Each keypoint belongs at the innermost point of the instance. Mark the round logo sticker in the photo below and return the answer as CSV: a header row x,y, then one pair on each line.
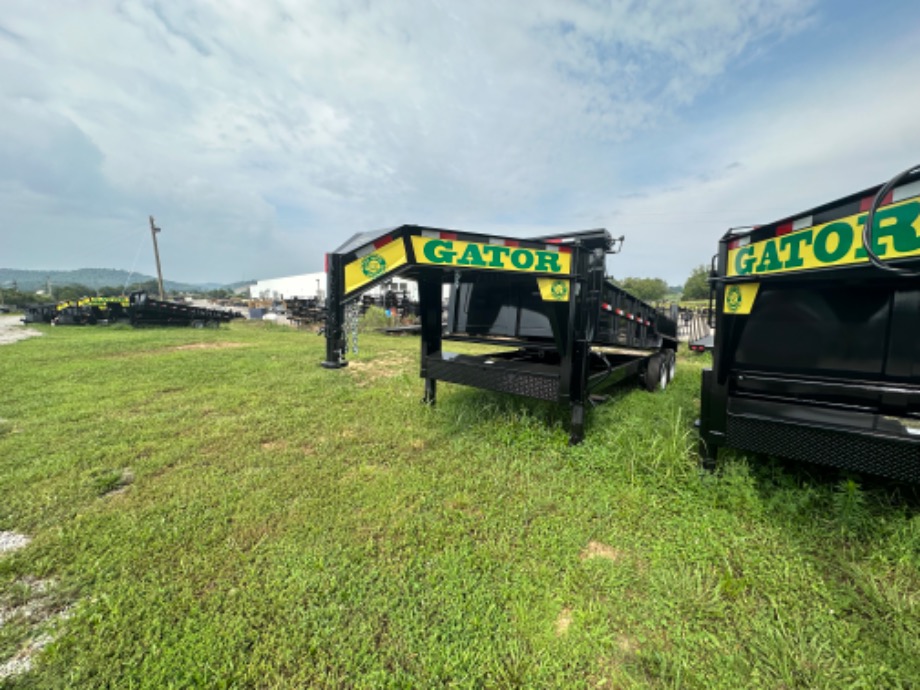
x,y
373,265
733,299
560,290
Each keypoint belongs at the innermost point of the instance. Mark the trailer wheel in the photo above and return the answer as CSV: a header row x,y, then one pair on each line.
x,y
197,323
656,373
672,365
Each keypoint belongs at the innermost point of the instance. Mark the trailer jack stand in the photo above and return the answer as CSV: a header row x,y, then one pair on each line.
x,y
709,456
577,433
431,392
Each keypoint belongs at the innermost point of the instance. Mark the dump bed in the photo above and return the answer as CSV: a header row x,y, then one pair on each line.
x,y
817,347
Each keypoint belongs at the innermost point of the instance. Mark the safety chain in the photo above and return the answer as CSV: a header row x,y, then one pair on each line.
x,y
352,312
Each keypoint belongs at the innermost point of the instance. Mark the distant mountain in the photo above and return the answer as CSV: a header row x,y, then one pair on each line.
x,y
30,281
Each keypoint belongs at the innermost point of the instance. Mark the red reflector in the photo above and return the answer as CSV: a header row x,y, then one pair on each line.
x,y
784,229
382,241
554,241
605,306
565,250
733,244
867,202
512,243
325,263
448,235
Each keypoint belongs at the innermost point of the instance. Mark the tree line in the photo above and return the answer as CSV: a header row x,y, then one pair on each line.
x,y
11,295
656,289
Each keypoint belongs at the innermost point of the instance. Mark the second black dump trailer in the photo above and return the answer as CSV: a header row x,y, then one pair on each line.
x,y
90,311
144,310
817,336
566,332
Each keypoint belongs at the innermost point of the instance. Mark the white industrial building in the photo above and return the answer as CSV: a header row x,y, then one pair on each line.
x,y
310,285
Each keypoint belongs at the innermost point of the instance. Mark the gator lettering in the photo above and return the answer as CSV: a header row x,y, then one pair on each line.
x,y
770,261
495,254
471,257
744,260
522,260
839,242
473,254
438,252
548,261
898,223
833,242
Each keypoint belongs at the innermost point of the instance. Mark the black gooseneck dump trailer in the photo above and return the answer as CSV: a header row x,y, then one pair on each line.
x,y
817,336
568,333
147,311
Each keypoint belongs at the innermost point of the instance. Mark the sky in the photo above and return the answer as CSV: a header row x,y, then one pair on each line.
x,y
262,134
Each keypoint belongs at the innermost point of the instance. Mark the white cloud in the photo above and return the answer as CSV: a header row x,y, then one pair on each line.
x,y
282,127
809,140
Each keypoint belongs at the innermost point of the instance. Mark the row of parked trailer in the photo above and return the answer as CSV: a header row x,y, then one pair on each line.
x,y
137,309
816,348
311,310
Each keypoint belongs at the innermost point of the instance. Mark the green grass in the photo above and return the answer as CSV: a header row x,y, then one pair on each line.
x,y
216,510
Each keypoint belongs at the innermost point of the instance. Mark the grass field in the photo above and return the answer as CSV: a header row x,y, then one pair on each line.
x,y
212,509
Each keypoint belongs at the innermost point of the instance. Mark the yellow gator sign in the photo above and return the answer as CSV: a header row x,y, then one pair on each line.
x,y
896,235
93,302
440,252
382,260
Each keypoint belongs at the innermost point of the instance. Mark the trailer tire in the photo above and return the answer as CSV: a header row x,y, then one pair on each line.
x,y
672,365
197,323
656,373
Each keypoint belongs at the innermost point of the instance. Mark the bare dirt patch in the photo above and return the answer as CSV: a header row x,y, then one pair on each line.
x,y
563,621
209,346
218,345
596,549
35,606
627,645
12,330
22,661
364,473
387,366
126,480
13,541
31,600
274,445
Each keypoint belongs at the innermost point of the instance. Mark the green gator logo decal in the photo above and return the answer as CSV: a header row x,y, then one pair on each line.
x,y
739,298
560,289
733,299
373,265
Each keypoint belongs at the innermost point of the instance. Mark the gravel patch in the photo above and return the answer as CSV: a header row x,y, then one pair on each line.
x,y
39,608
12,330
12,541
22,661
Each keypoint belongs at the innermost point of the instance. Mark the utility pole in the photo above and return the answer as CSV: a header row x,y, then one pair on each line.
x,y
156,252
